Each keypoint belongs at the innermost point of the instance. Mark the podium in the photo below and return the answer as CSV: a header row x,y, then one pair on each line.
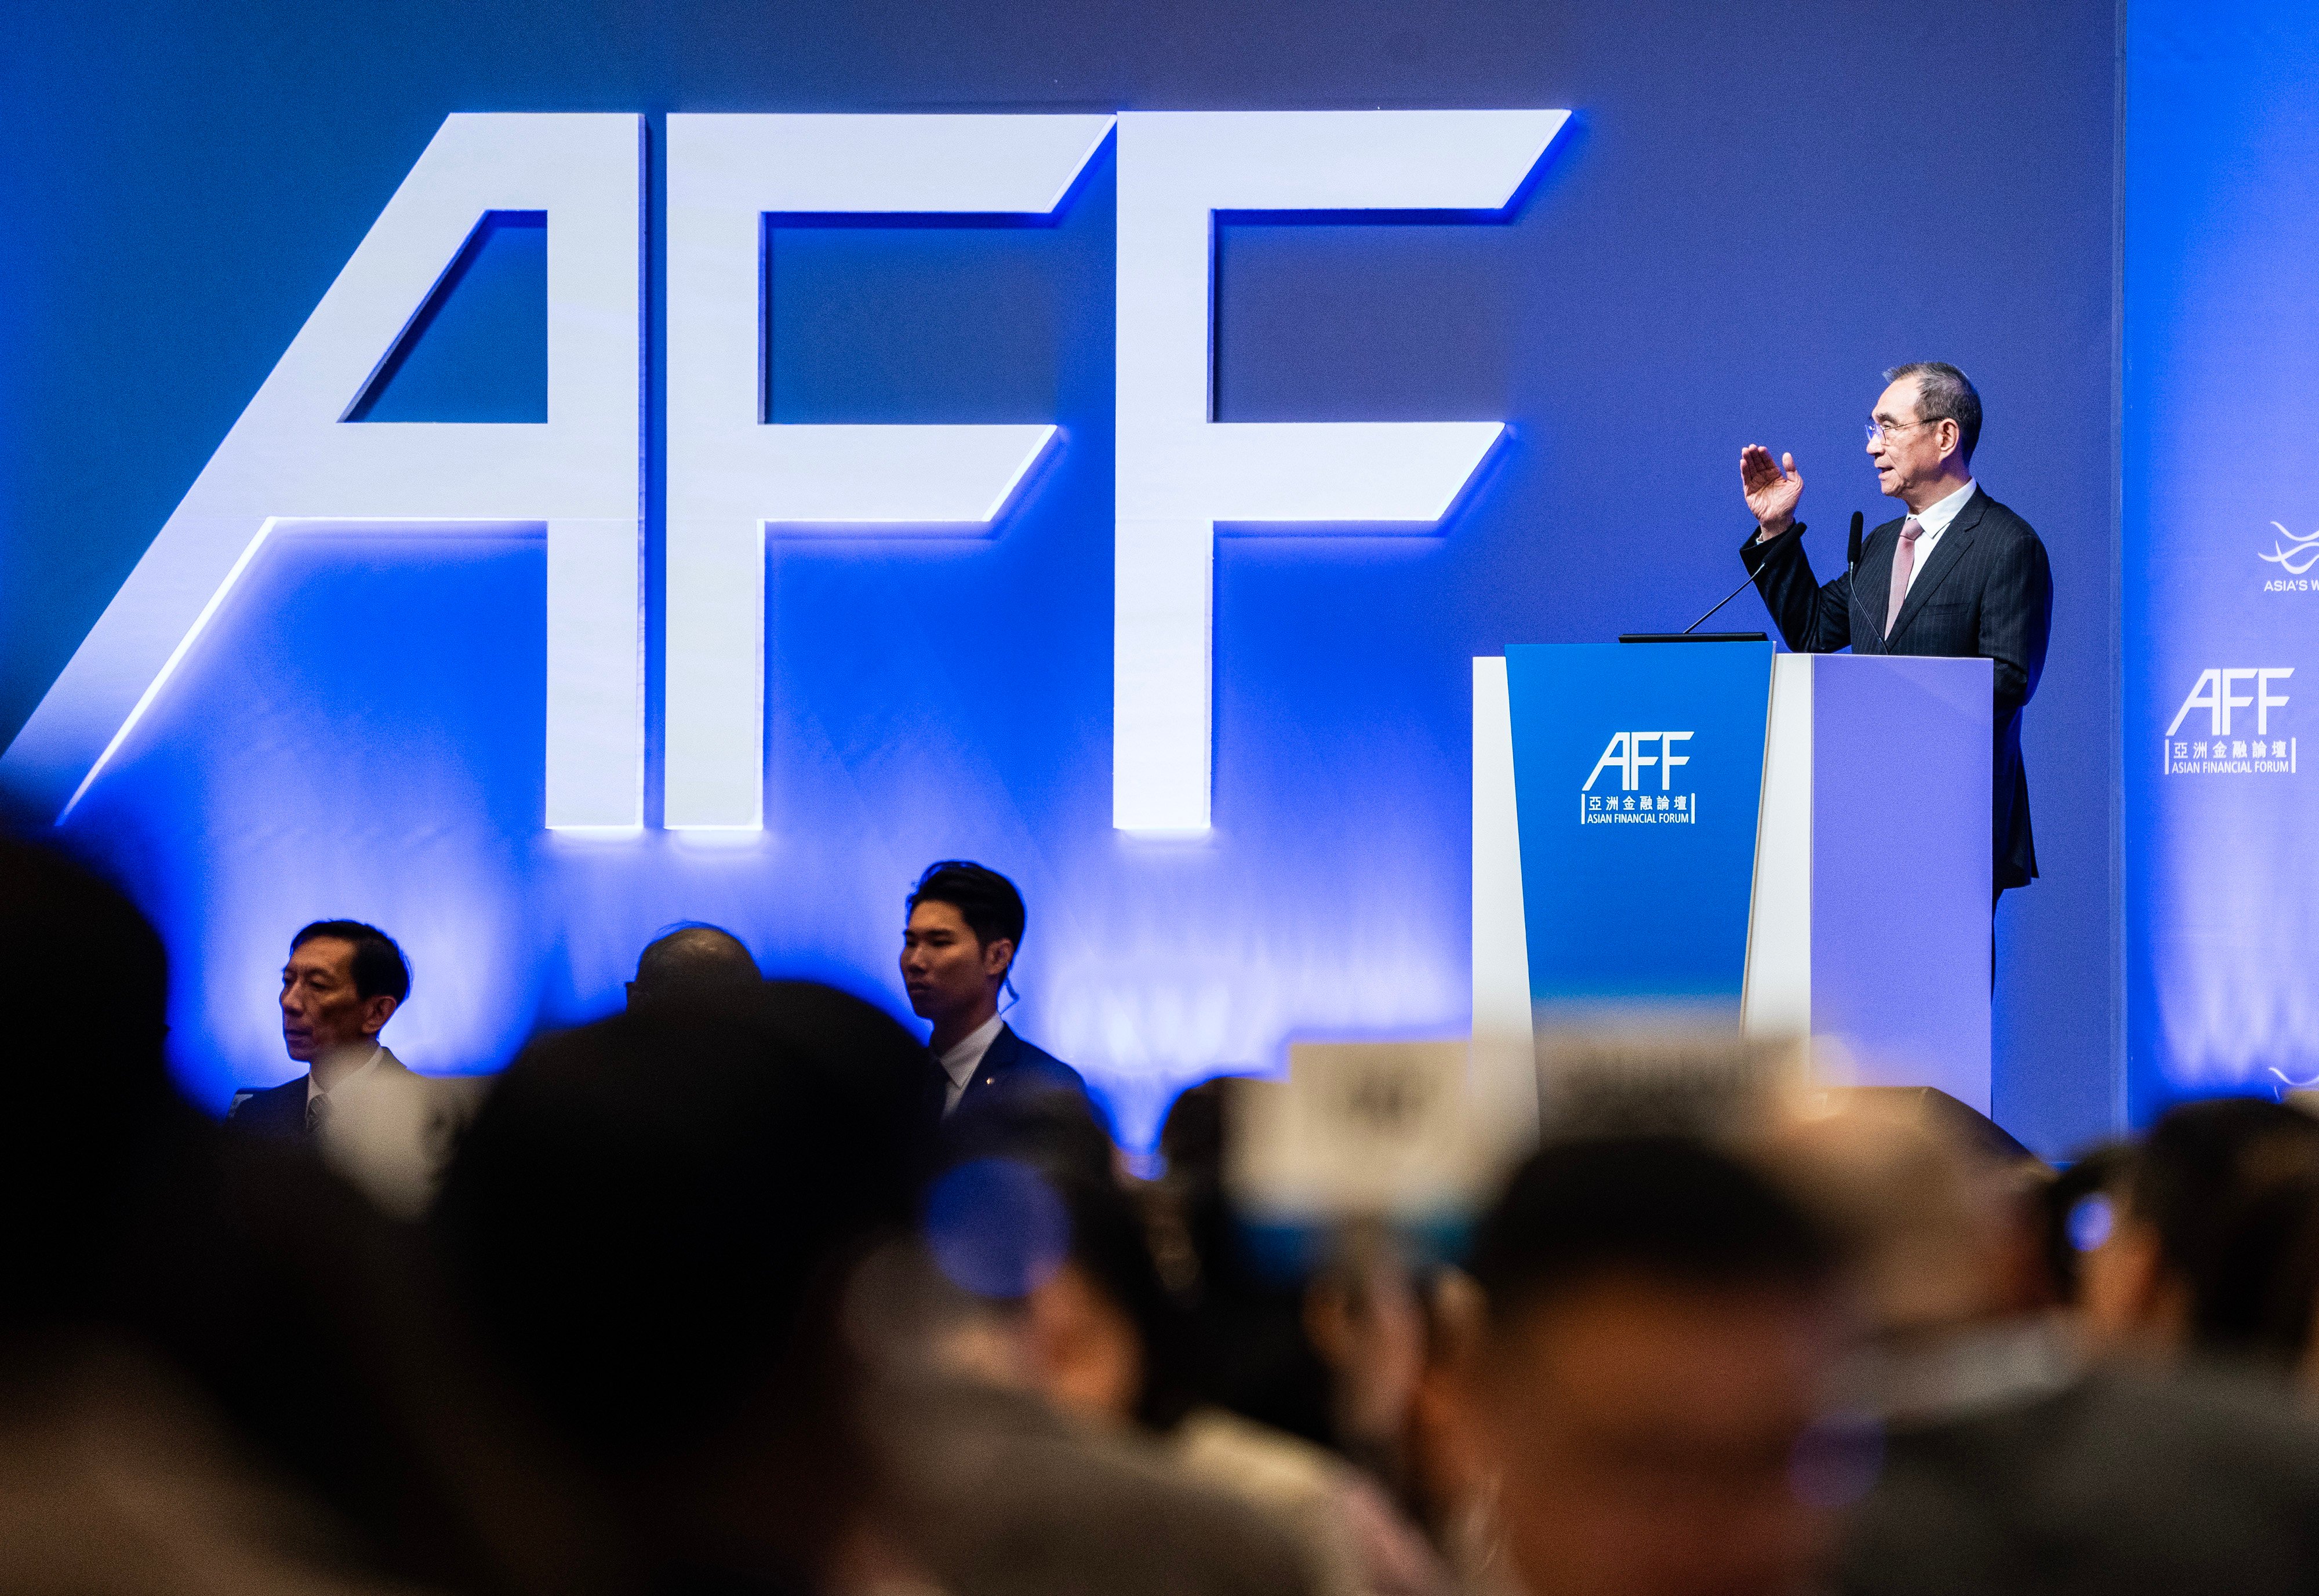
x,y
1789,845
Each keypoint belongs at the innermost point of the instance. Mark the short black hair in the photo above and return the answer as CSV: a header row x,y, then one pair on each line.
x,y
1944,393
986,901
1665,1207
380,967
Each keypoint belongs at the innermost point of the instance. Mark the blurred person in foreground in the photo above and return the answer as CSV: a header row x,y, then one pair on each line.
x,y
1331,1353
1640,1371
654,1217
963,929
2009,1462
1086,1321
661,1218
384,1128
1252,1348
1027,1366
2077,1209
218,1368
2200,1240
687,960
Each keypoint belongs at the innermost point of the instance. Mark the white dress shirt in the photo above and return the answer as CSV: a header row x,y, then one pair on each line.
x,y
1934,519
964,1058
369,1067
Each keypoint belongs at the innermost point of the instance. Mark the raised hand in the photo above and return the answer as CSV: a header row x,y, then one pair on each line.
x,y
1772,490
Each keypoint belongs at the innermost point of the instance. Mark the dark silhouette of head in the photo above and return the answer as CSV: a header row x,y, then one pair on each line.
x,y
688,961
653,1216
85,983
2221,1187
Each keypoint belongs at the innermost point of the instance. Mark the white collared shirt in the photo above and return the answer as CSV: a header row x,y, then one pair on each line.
x,y
964,1058
369,1065
1934,519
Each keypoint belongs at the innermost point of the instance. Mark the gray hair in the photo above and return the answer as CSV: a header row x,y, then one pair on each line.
x,y
1944,393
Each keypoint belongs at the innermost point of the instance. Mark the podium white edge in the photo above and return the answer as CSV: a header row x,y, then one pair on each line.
x,y
1776,998
1503,1057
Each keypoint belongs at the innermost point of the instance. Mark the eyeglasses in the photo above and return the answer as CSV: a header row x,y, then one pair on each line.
x,y
1888,431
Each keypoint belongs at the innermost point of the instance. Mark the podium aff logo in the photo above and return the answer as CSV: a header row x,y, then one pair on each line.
x,y
294,458
1633,804
2229,746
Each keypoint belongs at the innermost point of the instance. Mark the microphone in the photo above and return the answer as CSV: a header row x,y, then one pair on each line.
x,y
1852,549
1794,532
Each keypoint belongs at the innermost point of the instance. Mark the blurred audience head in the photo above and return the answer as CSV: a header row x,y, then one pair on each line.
x,y
1045,1264
1937,1236
1192,1136
2210,1213
1653,1322
343,982
2080,1208
85,985
655,1215
688,961
1250,1320
964,925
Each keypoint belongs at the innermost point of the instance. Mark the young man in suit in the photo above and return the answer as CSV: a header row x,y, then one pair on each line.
x,y
958,946
1959,575
343,982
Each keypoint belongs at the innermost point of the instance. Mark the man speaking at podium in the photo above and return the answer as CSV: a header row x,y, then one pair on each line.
x,y
1960,575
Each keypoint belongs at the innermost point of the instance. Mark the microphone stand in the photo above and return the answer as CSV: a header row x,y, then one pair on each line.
x,y
1794,532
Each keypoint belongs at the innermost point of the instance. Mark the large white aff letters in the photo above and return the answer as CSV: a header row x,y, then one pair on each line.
x,y
732,472
1180,470
293,458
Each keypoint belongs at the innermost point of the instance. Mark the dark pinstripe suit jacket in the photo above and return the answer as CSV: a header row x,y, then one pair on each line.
x,y
1987,590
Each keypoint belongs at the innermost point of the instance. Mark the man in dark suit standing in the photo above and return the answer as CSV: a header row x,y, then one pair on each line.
x,y
343,982
1959,575
957,947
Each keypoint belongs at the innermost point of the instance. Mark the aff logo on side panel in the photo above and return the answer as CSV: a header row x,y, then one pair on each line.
x,y
2229,745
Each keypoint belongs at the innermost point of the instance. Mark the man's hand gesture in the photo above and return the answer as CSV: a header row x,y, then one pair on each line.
x,y
1772,490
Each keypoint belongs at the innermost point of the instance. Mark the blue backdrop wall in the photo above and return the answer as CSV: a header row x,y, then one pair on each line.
x,y
2221,485
1747,221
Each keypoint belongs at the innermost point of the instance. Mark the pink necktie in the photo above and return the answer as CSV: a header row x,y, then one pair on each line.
x,y
1904,560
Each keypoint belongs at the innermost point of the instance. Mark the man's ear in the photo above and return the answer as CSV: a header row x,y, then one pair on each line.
x,y
376,1012
999,955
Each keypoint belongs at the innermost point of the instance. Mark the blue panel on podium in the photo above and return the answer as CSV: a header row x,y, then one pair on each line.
x,y
1639,775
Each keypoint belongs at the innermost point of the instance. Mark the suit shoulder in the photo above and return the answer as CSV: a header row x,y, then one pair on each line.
x,y
2005,521
270,1107
1031,1059
268,1097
